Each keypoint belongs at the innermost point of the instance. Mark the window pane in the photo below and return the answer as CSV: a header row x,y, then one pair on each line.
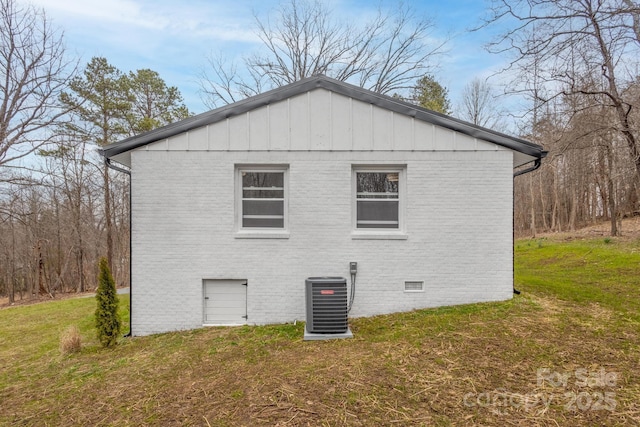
x,y
263,179
377,214
262,207
376,225
377,184
263,194
263,222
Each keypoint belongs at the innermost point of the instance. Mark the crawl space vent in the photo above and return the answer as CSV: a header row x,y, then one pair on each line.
x,y
413,286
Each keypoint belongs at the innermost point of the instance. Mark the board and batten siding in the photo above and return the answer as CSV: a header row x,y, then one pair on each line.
x,y
458,214
321,120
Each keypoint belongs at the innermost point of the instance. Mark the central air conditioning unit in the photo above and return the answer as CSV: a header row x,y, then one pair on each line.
x,y
326,306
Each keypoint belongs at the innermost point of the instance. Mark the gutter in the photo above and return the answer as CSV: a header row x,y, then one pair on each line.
x,y
536,164
107,162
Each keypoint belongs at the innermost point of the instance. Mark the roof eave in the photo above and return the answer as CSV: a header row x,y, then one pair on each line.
x,y
311,83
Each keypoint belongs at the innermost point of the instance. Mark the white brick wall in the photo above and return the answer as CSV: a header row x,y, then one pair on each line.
x,y
458,222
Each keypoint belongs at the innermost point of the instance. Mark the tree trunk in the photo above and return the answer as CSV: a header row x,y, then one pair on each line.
x,y
81,285
613,211
58,244
613,208
545,225
42,290
574,208
532,207
107,219
12,279
79,241
554,207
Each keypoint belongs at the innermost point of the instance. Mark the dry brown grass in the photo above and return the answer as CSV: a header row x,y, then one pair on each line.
x,y
467,365
630,230
70,341
470,365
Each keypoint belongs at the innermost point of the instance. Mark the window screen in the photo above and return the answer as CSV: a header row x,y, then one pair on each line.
x,y
377,200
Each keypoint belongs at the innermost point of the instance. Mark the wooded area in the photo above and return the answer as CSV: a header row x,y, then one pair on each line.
x,y
575,62
61,208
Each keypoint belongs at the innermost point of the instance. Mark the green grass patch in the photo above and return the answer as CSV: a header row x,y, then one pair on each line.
x,y
588,271
466,365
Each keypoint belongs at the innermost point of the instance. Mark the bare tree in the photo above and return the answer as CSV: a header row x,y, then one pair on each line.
x,y
572,41
387,54
33,72
58,217
70,172
478,104
587,176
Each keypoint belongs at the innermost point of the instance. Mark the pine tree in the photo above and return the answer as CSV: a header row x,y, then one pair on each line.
x,y
100,101
107,321
428,93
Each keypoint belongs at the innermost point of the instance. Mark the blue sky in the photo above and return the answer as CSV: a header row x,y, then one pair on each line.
x,y
174,37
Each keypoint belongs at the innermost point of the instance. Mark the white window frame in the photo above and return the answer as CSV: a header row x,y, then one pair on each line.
x,y
380,233
261,232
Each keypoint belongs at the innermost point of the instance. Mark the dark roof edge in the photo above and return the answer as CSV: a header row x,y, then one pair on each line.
x,y
311,83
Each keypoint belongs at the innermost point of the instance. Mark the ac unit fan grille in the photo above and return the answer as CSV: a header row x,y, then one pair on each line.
x,y
327,305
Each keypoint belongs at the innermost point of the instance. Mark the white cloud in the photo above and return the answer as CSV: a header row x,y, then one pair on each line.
x,y
174,37
195,19
113,11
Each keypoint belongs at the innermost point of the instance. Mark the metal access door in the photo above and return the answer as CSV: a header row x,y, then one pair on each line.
x,y
225,302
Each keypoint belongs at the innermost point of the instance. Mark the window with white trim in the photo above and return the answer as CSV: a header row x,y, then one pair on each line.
x,y
262,198
378,194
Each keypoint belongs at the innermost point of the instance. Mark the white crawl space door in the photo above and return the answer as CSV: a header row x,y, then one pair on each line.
x,y
225,302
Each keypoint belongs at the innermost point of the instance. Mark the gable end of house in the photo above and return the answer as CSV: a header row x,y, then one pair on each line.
x,y
530,151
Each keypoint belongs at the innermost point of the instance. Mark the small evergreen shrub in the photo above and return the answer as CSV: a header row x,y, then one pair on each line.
x,y
70,341
107,321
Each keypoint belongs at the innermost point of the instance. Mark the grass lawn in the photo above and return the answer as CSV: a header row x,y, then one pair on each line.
x,y
564,352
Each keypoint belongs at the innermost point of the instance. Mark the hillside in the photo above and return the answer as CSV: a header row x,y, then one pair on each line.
x,y
564,352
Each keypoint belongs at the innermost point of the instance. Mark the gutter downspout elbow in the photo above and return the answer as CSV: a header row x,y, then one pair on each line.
x,y
107,162
536,165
